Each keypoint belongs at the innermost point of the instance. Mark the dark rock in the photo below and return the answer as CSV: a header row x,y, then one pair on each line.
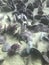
x,y
20,5
1,60
43,1
11,28
11,52
31,27
46,39
25,1
39,27
30,6
36,3
7,9
1,3
44,20
24,53
15,46
29,14
29,11
36,54
40,11
38,17
48,54
47,4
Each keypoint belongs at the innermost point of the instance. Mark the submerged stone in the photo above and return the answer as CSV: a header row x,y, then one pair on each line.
x,y
38,17
36,3
15,46
47,3
24,52
30,6
25,1
13,50
1,59
44,20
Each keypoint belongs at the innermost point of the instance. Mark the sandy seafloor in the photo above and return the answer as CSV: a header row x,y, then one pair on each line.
x,y
17,60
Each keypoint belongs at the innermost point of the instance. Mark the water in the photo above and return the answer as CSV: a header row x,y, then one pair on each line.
x,y
17,60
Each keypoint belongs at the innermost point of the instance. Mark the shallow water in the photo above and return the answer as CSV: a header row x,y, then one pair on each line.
x,y
17,60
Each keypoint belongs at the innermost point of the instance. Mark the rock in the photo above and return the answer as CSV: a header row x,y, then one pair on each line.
x,y
15,46
45,39
1,59
40,11
47,3
11,28
13,50
24,53
36,3
46,58
35,53
30,6
25,1
29,14
43,1
48,54
44,20
38,17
